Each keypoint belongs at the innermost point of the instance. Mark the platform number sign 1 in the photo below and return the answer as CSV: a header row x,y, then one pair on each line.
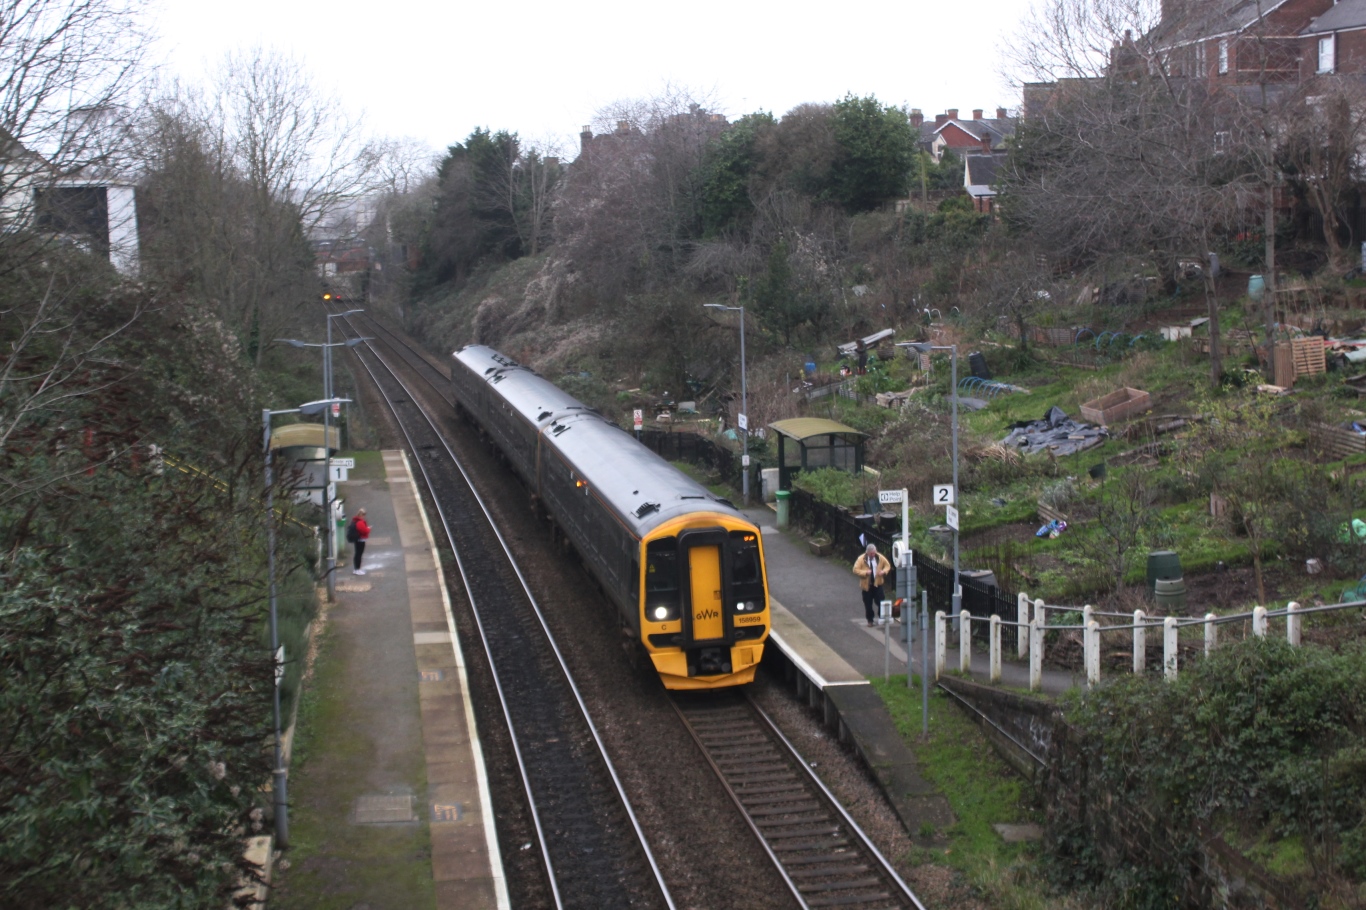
x,y
943,494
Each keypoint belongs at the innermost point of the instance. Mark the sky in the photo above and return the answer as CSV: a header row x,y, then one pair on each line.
x,y
436,71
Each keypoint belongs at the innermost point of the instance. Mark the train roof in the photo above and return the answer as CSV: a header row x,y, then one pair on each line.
x,y
645,490
529,392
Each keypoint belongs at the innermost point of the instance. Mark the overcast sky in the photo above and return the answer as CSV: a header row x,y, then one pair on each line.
x,y
436,71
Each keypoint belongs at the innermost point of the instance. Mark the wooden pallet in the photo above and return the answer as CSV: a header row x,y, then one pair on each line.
x,y
1309,356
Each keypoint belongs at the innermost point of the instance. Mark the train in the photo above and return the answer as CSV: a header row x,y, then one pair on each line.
x,y
683,567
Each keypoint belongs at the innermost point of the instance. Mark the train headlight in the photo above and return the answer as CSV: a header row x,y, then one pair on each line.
x,y
661,614
751,606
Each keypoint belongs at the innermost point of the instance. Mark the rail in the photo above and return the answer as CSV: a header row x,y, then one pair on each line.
x,y
821,853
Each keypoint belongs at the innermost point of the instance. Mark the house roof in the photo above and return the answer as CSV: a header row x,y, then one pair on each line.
x,y
1213,19
1346,14
979,173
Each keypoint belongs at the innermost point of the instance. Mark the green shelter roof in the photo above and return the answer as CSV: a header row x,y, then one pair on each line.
x,y
303,434
800,428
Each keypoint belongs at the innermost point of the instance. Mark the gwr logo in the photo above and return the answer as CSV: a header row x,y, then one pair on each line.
x,y
706,614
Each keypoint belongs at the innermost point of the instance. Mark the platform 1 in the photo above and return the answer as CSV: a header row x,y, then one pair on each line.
x,y
394,762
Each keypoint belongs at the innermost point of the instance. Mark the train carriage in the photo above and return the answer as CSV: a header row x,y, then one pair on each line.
x,y
683,567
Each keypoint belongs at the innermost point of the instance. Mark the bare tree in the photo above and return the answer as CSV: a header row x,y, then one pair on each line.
x,y
1322,155
64,64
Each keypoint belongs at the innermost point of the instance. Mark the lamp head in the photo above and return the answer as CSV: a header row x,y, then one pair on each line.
x,y
317,407
293,342
352,342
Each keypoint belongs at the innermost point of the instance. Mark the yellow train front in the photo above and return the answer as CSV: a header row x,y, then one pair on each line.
x,y
683,567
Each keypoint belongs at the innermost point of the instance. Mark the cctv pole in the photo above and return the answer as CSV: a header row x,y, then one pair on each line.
x,y
957,589
278,775
744,407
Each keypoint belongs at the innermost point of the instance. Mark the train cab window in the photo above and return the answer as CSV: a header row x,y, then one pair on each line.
x,y
662,601
744,559
746,572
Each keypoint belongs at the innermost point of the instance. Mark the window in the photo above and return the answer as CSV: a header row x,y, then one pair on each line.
x,y
1200,59
1326,49
1223,55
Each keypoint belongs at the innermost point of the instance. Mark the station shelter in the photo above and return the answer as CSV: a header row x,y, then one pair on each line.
x,y
809,443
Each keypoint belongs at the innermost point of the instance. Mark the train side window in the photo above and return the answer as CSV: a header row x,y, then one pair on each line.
x,y
744,558
663,600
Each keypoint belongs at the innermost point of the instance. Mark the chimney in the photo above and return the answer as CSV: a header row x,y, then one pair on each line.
x,y
585,140
1001,113
977,113
986,145
623,126
940,119
952,113
917,117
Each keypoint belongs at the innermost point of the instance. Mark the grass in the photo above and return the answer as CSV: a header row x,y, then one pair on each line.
x,y
982,790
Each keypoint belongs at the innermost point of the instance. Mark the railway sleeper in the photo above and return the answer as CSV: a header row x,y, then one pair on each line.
x,y
754,783
813,858
850,885
791,795
807,831
829,869
792,807
844,901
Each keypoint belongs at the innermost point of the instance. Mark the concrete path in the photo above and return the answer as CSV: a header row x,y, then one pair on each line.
x,y
823,593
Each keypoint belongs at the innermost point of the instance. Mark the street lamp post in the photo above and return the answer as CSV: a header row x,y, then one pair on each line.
x,y
329,536
744,401
921,347
278,775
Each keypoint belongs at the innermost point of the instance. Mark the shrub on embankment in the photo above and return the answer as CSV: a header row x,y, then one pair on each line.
x,y
1245,776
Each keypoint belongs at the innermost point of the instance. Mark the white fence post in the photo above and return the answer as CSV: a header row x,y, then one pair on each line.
x,y
1259,622
1036,655
1293,622
1091,648
964,642
1169,643
1088,613
941,644
1211,633
1140,642
1039,612
1022,617
995,650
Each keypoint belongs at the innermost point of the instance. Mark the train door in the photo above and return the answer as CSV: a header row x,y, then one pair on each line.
x,y
704,581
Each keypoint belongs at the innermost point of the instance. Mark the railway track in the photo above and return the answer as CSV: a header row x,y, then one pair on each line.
x,y
823,856
592,848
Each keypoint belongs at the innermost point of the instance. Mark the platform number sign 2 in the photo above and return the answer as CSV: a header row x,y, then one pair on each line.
x,y
943,494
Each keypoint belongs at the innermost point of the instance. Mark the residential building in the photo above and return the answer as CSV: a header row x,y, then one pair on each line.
x,y
978,135
1335,42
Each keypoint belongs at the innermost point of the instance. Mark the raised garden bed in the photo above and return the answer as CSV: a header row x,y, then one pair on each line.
x,y
1116,406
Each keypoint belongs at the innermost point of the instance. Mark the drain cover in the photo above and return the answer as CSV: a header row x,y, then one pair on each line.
x,y
384,810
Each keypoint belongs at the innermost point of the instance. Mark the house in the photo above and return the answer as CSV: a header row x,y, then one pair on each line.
x,y
1240,46
980,178
1335,42
981,134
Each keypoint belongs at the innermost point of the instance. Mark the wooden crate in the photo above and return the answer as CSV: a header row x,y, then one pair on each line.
x,y
1116,406
1283,367
1339,442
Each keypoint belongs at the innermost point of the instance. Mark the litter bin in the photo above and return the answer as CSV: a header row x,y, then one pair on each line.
x,y
1170,594
783,497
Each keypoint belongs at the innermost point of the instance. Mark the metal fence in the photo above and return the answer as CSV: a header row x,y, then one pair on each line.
x,y
700,451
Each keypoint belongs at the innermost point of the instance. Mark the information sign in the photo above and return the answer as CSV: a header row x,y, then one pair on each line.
x,y
744,421
890,497
638,417
952,517
344,462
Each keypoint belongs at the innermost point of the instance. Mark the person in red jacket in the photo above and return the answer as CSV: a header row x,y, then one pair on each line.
x,y
356,535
